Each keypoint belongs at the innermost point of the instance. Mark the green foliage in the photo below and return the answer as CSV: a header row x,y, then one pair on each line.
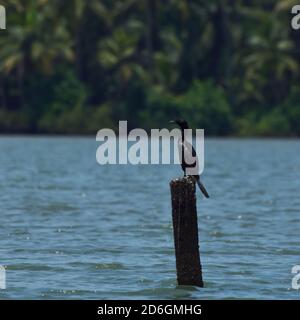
x,y
207,107
14,122
230,67
291,109
65,112
274,123
100,117
161,107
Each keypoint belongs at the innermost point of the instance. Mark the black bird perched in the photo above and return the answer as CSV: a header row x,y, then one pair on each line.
x,y
188,152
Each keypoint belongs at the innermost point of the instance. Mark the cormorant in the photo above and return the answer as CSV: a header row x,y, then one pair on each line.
x,y
188,151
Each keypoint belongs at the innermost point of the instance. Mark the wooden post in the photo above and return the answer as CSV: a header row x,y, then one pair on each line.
x,y
185,228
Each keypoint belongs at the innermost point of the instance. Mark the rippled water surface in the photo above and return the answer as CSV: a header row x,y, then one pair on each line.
x,y
72,229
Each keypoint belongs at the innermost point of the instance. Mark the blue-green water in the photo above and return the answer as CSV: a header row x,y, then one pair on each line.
x,y
72,229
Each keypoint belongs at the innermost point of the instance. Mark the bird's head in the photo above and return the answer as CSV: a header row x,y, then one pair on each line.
x,y
181,123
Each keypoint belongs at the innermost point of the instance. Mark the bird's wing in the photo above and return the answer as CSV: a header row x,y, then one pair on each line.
x,y
189,153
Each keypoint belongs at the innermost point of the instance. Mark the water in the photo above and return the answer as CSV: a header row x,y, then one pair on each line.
x,y
71,229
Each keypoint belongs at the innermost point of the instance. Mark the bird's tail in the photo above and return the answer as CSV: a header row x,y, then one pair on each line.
x,y
202,188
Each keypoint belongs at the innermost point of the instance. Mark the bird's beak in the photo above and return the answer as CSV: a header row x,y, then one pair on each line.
x,y
172,121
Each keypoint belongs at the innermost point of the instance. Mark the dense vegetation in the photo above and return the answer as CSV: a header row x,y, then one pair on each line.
x,y
229,66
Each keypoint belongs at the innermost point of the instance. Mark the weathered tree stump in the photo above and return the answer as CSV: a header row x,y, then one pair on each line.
x,y
185,228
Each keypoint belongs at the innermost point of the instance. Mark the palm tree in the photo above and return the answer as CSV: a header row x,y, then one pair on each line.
x,y
35,44
268,61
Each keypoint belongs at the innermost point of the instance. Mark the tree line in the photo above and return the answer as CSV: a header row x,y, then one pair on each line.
x,y
228,66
